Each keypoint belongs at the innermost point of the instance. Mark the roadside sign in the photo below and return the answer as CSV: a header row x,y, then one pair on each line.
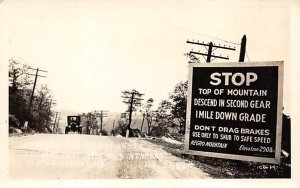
x,y
234,111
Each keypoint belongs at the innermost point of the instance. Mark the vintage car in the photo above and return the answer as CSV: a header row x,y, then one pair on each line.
x,y
74,125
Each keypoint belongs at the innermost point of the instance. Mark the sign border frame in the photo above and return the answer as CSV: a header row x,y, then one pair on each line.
x,y
276,159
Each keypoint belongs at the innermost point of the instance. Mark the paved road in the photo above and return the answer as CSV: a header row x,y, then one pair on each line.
x,y
46,156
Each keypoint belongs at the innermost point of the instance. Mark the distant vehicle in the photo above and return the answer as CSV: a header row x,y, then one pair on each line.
x,y
73,125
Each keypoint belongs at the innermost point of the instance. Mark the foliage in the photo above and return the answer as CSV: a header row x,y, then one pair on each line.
x,y
127,95
40,115
20,91
14,122
149,115
89,122
121,128
178,104
163,119
158,120
18,104
159,131
170,114
192,58
132,99
104,132
17,75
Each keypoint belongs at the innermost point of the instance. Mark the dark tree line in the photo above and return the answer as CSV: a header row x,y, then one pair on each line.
x,y
20,90
170,115
91,124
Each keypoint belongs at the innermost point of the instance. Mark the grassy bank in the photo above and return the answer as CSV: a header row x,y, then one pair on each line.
x,y
225,168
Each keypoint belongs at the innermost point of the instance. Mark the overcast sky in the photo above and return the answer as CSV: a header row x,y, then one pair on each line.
x,y
93,50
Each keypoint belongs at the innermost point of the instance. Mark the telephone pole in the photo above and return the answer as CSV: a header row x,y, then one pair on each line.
x,y
34,85
113,129
101,115
243,49
57,124
211,48
143,122
88,123
132,98
56,114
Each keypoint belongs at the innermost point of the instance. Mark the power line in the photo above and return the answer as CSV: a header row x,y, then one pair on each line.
x,y
216,38
190,31
247,56
211,47
201,34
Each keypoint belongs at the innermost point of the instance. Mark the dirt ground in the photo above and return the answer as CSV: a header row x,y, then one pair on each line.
x,y
73,156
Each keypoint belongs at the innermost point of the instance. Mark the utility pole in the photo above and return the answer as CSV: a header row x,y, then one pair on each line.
x,y
142,122
130,112
211,48
102,114
113,129
243,49
57,124
132,98
34,85
89,123
56,114
91,118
